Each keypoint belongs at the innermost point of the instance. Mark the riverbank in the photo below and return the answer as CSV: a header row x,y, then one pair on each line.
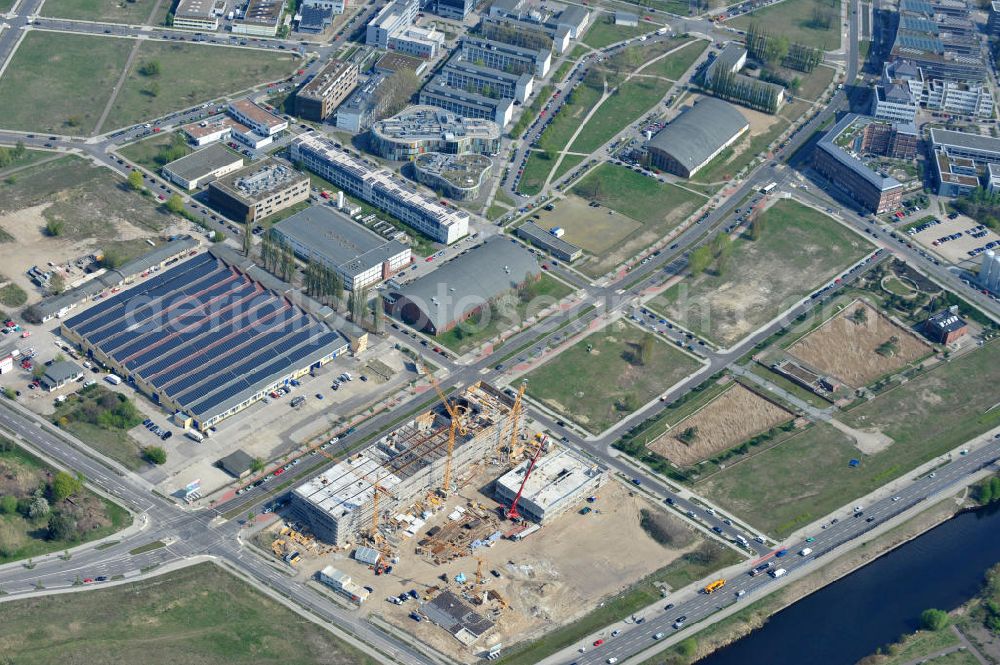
x,y
701,644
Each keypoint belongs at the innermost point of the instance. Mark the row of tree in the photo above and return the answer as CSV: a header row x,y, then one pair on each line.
x,y
744,90
777,49
717,252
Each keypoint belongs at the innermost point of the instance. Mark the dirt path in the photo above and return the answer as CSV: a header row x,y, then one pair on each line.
x,y
869,443
117,89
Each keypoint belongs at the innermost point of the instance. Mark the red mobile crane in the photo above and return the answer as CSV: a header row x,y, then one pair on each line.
x,y
512,513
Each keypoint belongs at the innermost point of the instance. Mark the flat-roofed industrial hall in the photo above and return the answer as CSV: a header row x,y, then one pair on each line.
x,y
204,338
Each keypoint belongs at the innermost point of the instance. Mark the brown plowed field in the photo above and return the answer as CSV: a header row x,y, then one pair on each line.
x,y
845,349
728,420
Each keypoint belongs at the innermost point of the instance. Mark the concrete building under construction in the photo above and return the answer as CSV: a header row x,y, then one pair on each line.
x,y
340,504
559,481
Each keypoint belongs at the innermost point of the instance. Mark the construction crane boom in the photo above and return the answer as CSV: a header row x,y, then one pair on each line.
x,y
512,513
512,422
456,425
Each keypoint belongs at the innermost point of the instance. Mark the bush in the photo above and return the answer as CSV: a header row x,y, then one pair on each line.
x,y
154,455
13,295
8,504
64,485
932,619
54,228
62,527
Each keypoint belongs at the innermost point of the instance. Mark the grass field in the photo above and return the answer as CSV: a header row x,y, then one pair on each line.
x,y
110,11
808,476
28,158
79,72
151,153
632,99
577,106
794,19
599,380
568,163
605,32
536,170
799,248
640,197
191,74
91,201
593,229
22,537
198,615
674,66
544,293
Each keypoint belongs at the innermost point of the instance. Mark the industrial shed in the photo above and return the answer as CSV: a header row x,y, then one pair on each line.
x,y
437,302
204,338
696,136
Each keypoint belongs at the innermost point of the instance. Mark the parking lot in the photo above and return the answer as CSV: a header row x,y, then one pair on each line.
x,y
955,240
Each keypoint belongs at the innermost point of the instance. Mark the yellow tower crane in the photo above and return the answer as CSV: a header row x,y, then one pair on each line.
x,y
456,426
512,424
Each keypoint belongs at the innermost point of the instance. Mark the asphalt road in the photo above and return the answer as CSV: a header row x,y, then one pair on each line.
x,y
850,525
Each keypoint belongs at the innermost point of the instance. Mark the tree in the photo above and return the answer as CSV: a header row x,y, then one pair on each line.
x,y
175,204
9,392
62,527
688,435
257,464
932,619
644,350
984,493
135,181
169,21
38,508
700,259
57,284
65,485
378,316
113,258
154,455
54,228
247,240
218,236
859,316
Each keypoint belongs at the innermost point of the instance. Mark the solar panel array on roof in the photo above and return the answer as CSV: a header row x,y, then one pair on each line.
x,y
204,336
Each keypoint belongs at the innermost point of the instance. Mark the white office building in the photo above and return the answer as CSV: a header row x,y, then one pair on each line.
x,y
381,188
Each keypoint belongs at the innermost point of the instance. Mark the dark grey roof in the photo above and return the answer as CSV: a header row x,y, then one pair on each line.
x,y
946,321
202,162
827,145
338,240
573,15
454,614
698,133
59,371
470,280
947,137
236,463
532,232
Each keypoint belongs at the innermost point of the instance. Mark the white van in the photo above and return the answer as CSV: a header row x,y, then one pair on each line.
x,y
806,552
778,573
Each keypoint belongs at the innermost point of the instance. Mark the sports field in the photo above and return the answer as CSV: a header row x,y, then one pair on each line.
x,y
190,74
799,249
60,82
606,376
814,23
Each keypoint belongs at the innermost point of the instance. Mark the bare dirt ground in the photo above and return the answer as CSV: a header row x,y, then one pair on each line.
x,y
726,421
760,123
846,349
548,579
593,229
954,251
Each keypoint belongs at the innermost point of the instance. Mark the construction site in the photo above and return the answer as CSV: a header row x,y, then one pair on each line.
x,y
467,529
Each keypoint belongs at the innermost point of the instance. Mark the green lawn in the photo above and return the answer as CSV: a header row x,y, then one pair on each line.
x,y
571,114
27,158
674,66
196,615
632,99
191,74
159,149
599,380
695,565
640,197
5,5
60,82
568,163
794,20
799,249
563,70
544,293
536,170
605,32
110,11
21,536
921,644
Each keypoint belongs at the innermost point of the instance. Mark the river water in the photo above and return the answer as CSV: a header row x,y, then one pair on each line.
x,y
851,618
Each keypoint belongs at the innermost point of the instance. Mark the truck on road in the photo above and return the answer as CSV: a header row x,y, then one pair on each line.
x,y
715,586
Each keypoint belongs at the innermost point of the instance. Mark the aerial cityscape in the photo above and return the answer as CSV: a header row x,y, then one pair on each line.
x,y
531,332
